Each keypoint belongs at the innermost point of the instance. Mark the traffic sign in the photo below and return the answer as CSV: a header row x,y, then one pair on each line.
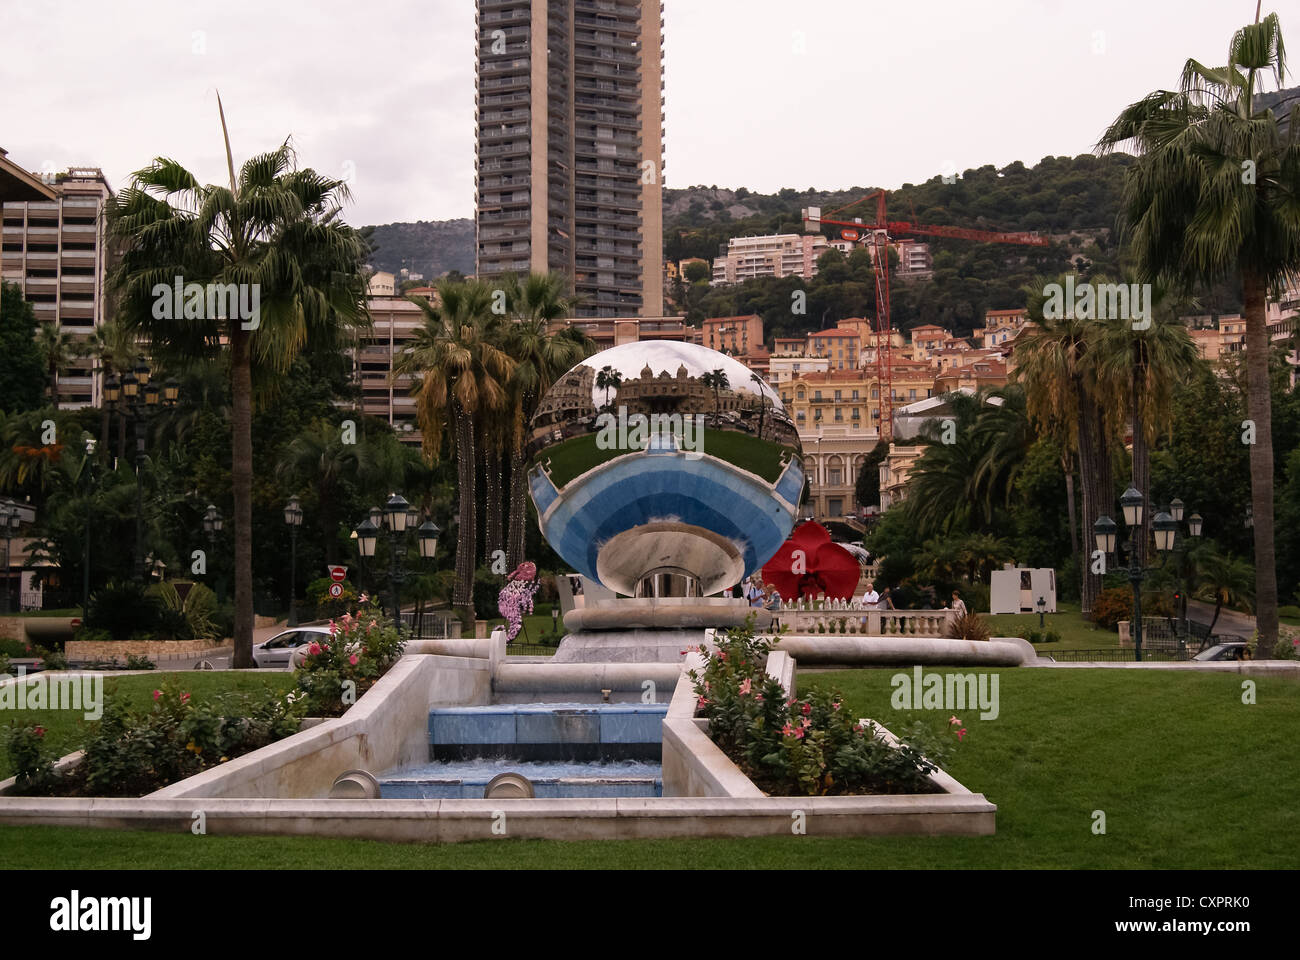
x,y
338,573
336,590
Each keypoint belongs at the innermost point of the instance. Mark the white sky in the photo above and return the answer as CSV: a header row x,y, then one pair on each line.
x,y
382,92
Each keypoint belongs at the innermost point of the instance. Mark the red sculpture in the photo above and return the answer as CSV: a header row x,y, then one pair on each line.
x,y
809,564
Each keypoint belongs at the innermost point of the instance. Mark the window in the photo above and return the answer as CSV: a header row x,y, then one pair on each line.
x,y
855,414
837,394
911,394
839,414
855,394
836,477
817,394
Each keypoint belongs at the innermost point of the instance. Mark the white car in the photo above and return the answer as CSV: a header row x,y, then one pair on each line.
x,y
277,651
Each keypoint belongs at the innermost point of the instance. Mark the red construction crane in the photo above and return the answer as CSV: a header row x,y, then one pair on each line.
x,y
878,234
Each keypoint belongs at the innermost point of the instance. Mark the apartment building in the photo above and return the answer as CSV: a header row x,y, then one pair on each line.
x,y
395,321
614,331
778,255
840,345
733,335
1000,326
569,112
54,250
784,368
832,412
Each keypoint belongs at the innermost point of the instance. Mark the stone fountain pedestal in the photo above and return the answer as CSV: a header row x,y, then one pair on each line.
x,y
648,630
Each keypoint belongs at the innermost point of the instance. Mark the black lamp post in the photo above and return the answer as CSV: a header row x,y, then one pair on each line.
x,y
293,517
141,399
1166,528
11,519
1041,604
85,574
397,517
212,524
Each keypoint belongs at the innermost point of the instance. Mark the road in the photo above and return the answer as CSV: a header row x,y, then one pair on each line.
x,y
1230,621
221,662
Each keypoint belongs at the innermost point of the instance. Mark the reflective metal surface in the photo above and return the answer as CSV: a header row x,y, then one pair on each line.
x,y
662,457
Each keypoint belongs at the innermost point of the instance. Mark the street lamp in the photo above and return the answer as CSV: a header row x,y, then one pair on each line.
x,y
1165,526
11,519
140,399
293,517
85,575
1041,604
397,517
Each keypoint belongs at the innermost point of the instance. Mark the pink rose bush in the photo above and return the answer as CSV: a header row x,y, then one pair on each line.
x,y
809,745
336,672
515,601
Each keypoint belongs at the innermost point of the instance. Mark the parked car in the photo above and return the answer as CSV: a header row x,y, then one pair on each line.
x,y
1230,650
277,651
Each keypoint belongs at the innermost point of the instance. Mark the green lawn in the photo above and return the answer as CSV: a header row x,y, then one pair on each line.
x,y
65,730
1187,776
1076,632
573,457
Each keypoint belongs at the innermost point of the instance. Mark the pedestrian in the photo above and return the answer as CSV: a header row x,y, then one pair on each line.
x,y
958,605
773,601
754,593
886,601
871,599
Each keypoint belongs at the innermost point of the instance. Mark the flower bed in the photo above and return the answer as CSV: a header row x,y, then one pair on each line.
x,y
791,746
130,753
336,672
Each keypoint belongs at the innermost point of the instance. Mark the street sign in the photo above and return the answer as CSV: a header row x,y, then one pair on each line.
x,y
338,573
336,590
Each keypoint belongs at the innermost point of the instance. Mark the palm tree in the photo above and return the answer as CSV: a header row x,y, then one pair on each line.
x,y
1055,363
541,358
607,378
1230,579
982,553
460,377
1212,195
757,381
57,349
114,348
1140,366
717,380
319,459
275,230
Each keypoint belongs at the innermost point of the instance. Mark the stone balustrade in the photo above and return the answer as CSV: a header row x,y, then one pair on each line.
x,y
846,618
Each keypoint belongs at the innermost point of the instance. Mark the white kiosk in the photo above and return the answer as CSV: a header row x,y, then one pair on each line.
x,y
1018,589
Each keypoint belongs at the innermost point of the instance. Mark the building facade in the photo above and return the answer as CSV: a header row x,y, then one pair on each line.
x,y
778,255
570,147
55,251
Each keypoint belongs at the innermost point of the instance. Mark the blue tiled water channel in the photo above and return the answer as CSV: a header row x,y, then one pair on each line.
x,y
565,749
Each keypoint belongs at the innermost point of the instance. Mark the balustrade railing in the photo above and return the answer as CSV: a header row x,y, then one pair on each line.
x,y
847,618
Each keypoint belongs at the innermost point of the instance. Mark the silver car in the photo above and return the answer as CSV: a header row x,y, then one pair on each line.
x,y
277,651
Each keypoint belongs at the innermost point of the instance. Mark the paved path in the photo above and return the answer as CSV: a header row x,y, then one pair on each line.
x,y
1230,621
221,661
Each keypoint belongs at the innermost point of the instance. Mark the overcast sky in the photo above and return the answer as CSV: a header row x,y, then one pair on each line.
x,y
760,93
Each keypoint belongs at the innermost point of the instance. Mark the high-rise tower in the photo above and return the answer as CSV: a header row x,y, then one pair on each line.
x,y
570,147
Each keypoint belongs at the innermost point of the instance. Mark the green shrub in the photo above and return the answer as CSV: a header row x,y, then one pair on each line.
x,y
30,759
130,753
809,746
1033,636
83,634
141,662
188,619
4,665
1052,637
122,607
325,606
1116,604
13,647
1289,611
52,659
223,620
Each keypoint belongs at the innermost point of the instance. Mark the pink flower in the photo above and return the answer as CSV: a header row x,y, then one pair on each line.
x,y
353,659
701,703
706,686
370,626
722,654
805,723
334,628
836,705
758,697
954,722
184,697
807,709
364,598
961,733
744,687
313,649
798,733
157,694
787,730
39,731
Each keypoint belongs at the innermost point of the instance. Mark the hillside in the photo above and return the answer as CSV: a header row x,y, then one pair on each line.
x,y
430,247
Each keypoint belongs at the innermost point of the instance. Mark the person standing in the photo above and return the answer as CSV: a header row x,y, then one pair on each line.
x,y
958,605
754,594
886,601
871,599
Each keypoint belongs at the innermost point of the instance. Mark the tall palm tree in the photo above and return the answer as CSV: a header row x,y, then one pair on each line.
x,y
114,348
275,229
607,379
318,459
1056,364
717,381
1213,195
1140,366
58,349
460,378
540,358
